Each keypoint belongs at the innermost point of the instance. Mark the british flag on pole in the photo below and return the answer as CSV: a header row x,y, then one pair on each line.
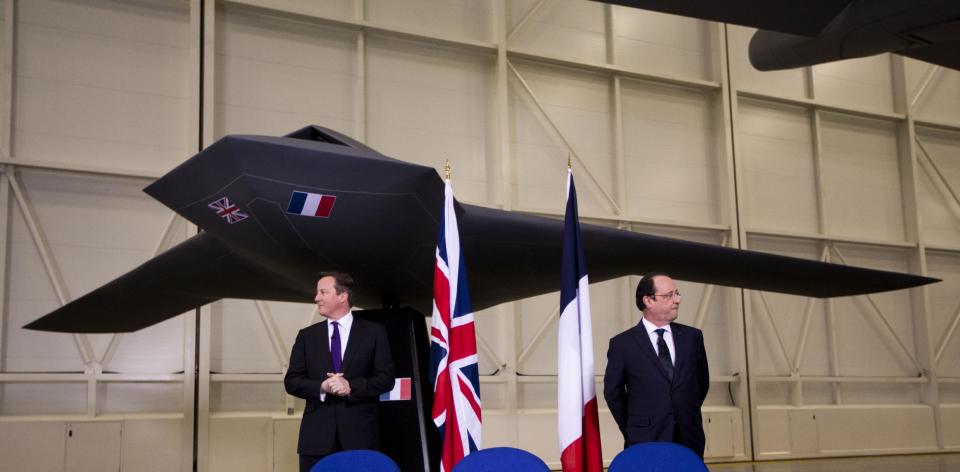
x,y
453,347
579,425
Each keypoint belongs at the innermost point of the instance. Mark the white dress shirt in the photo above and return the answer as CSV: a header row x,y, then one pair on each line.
x,y
667,337
345,324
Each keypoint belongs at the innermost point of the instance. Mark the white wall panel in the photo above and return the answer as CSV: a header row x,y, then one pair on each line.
x,y
672,153
861,83
944,305
28,445
862,195
790,83
579,104
137,397
278,74
938,102
784,319
462,19
951,428
658,43
776,154
247,396
151,445
489,324
565,29
848,430
609,305
97,228
939,210
93,446
124,63
340,9
46,398
238,443
285,433
426,104
240,343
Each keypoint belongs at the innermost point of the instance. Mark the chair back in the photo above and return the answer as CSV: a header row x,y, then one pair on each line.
x,y
656,457
358,459
501,459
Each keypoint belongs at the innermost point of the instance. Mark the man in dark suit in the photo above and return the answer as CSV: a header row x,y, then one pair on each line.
x,y
657,375
340,367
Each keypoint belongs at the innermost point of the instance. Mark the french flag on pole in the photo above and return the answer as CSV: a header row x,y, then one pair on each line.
x,y
579,425
311,204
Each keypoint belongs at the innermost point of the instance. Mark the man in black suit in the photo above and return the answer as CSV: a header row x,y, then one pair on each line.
x,y
657,375
340,367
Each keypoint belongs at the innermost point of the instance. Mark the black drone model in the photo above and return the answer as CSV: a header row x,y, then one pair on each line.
x,y
275,211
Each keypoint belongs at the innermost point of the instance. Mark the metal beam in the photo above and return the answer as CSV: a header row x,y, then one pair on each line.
x,y
940,181
523,21
276,341
559,133
798,354
7,77
553,316
883,318
776,332
931,74
49,264
707,300
947,335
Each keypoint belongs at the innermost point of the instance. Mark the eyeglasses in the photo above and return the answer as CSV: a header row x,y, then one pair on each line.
x,y
668,294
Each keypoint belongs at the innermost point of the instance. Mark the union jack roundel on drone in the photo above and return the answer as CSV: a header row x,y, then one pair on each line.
x,y
227,210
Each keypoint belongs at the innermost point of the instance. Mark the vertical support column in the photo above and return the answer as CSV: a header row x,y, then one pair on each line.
x,y
197,328
203,386
188,439
822,229
502,194
924,339
619,156
731,212
207,72
4,231
360,90
7,77
189,389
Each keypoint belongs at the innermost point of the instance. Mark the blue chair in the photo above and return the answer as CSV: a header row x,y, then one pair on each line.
x,y
500,459
358,459
656,457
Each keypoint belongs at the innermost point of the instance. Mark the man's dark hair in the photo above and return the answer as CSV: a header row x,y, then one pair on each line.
x,y
646,288
342,282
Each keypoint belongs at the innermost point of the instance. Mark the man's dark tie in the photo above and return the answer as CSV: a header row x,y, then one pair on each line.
x,y
335,348
664,353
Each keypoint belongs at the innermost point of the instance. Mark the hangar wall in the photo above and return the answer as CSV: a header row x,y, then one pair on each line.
x,y
670,131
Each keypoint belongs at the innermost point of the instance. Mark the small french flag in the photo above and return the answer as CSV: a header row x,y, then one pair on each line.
x,y
401,391
311,204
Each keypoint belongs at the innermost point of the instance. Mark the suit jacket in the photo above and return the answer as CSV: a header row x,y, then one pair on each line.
x,y
646,405
367,365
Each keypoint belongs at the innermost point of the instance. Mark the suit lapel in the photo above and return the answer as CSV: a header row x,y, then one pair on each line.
x,y
356,334
641,336
680,344
326,361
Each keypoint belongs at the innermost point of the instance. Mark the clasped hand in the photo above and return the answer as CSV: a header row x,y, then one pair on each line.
x,y
336,384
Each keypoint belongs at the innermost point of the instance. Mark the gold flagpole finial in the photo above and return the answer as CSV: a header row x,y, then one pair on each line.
x,y
446,169
569,162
